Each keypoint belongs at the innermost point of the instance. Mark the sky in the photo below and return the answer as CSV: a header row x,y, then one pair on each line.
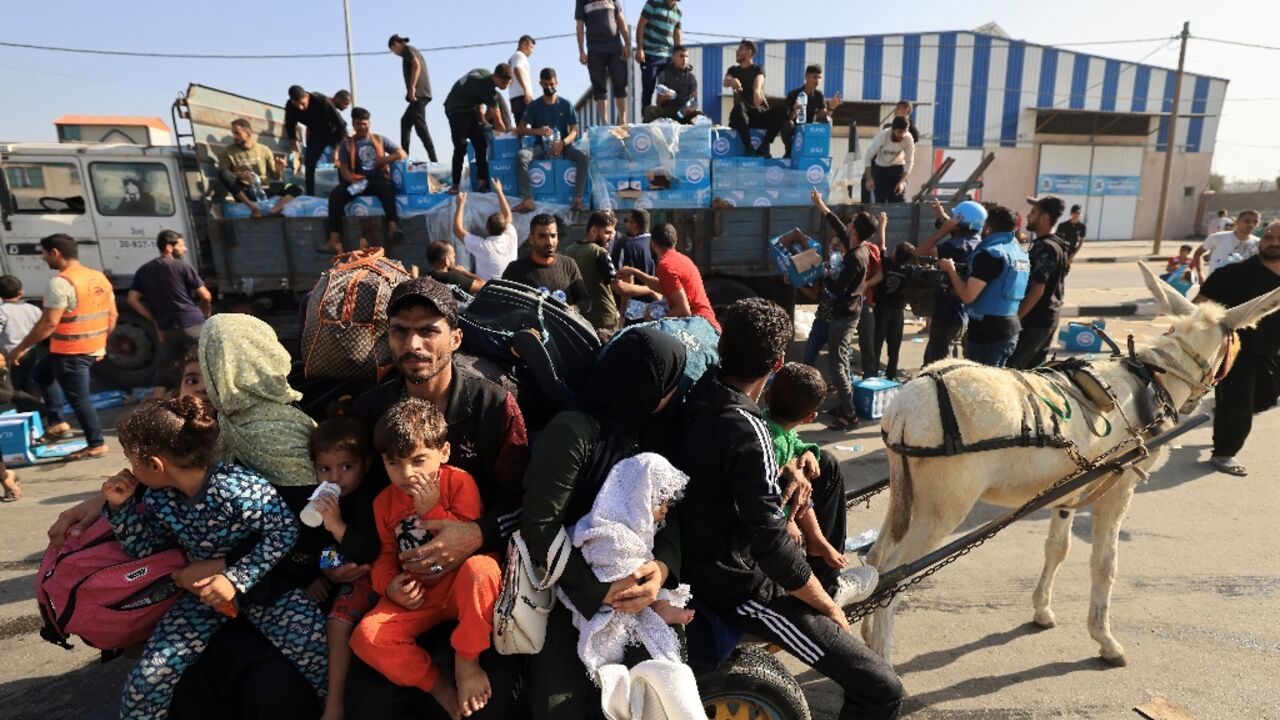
x,y
39,86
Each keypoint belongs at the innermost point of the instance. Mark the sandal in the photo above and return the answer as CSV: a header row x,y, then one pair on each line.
x,y
54,432
89,452
1228,465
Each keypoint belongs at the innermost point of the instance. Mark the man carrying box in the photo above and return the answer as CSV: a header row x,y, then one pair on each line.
x,y
544,120
465,107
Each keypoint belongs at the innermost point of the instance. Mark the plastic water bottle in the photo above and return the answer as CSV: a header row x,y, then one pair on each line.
x,y
258,192
309,515
802,108
358,186
662,90
635,309
835,264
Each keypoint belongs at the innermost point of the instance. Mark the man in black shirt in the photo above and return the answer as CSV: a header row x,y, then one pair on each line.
x,y
325,127
1050,260
817,108
750,109
442,260
544,270
681,102
1071,231
1254,381
464,106
417,93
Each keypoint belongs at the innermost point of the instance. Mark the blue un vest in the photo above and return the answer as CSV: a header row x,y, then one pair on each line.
x,y
1001,296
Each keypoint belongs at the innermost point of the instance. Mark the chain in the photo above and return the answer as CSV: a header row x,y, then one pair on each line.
x,y
863,497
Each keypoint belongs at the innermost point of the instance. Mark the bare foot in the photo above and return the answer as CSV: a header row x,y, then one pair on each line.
x,y
54,432
445,694
671,614
473,686
525,206
832,557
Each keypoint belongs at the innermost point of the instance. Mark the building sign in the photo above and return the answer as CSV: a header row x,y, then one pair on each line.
x,y
1095,186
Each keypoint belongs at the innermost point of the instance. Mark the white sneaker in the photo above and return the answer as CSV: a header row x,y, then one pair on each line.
x,y
855,585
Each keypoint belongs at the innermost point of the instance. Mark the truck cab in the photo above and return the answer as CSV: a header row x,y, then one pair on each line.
x,y
114,200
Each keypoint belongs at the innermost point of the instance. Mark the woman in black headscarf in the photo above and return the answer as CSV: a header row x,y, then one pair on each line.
x,y
617,415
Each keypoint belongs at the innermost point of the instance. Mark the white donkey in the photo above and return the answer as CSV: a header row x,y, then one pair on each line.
x,y
931,496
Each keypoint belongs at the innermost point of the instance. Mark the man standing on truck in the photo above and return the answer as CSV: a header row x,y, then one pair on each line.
x,y
417,93
325,127
890,157
465,108
521,91
604,46
750,109
364,166
79,314
247,166
169,293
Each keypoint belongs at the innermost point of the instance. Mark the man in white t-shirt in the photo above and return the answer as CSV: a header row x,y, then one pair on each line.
x,y
1229,246
494,252
521,90
1220,223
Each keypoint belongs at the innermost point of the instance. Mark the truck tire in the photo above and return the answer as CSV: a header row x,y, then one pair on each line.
x,y
722,292
132,352
751,685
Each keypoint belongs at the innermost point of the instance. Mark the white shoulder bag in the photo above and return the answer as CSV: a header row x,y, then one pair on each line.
x,y
527,596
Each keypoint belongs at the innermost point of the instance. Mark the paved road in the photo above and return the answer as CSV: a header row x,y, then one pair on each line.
x,y
1195,603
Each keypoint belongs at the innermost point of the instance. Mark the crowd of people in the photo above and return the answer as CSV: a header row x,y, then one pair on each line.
x,y
680,493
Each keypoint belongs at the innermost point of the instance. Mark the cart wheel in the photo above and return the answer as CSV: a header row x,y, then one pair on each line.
x,y
752,685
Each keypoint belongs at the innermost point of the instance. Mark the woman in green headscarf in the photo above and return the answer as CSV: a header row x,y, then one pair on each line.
x,y
246,373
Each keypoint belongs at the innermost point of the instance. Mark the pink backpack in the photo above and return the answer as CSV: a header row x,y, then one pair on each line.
x,y
92,588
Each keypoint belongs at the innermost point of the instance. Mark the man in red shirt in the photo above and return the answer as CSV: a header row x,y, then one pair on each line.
x,y
677,278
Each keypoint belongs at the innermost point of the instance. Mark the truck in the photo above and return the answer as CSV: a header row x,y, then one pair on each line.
x,y
115,199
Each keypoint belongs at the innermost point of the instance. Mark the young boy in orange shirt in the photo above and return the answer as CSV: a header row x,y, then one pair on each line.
x,y
411,438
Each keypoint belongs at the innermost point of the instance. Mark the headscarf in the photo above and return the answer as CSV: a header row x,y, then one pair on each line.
x,y
246,373
627,384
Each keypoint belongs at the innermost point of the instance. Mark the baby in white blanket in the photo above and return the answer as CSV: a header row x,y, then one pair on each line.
x,y
616,538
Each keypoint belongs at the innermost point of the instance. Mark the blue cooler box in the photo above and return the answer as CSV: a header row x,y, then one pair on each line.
x,y
798,256
727,143
872,396
542,179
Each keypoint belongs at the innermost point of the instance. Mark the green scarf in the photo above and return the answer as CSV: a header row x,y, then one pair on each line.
x,y
246,374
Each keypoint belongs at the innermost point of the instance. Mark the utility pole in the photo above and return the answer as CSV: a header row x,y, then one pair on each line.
x,y
1170,140
351,60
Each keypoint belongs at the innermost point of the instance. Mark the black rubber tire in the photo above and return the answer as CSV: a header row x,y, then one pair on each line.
x,y
752,684
132,352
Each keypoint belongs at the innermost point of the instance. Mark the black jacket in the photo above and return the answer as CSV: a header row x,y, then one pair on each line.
x,y
486,438
325,125
683,82
734,539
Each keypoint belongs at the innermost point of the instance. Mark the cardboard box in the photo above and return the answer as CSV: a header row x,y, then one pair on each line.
x,y
415,204
566,176
364,206
812,172
872,396
811,140
1079,337
504,170
798,256
18,432
727,143
542,178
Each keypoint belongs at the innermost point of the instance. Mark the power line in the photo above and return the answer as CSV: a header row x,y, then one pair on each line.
x,y
469,46
1235,42
226,56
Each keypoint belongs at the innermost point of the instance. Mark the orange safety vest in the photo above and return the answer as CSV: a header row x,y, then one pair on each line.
x,y
376,139
84,330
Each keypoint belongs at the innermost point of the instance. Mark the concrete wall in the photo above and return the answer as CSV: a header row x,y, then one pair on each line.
x,y
1190,170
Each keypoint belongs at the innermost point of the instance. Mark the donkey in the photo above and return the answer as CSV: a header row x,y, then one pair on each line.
x,y
930,496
